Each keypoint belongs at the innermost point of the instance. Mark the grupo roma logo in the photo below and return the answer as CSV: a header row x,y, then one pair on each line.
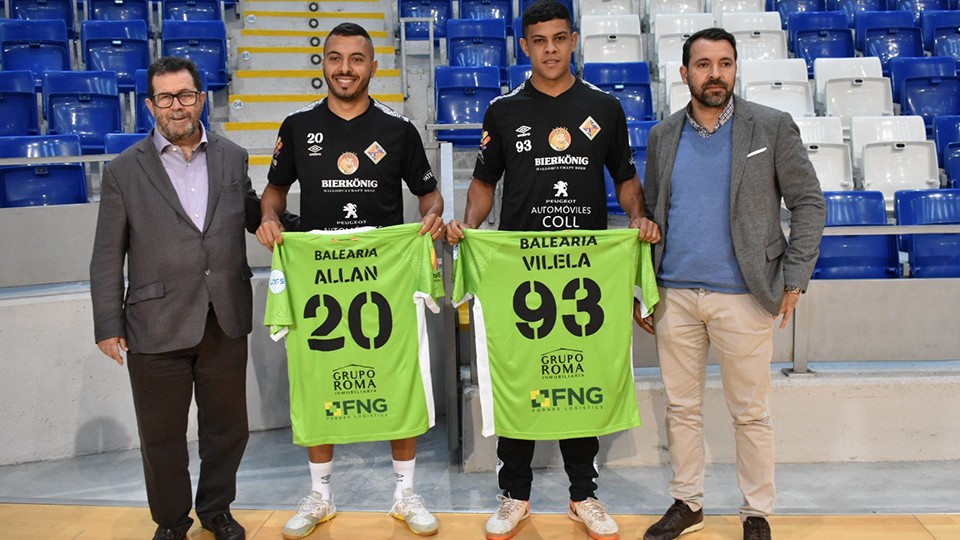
x,y
559,139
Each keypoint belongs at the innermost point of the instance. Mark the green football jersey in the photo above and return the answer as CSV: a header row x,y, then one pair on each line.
x,y
351,305
554,328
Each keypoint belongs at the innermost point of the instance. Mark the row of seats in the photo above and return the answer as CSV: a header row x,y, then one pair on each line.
x,y
119,46
442,11
878,256
114,10
49,183
86,103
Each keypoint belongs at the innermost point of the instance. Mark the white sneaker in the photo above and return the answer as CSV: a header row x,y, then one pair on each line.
x,y
410,508
593,514
311,510
503,524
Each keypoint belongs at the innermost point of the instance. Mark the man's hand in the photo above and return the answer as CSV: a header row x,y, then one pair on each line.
x,y
645,322
112,347
269,232
787,305
433,224
455,232
648,231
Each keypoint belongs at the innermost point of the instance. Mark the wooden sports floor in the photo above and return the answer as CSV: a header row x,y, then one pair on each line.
x,y
55,522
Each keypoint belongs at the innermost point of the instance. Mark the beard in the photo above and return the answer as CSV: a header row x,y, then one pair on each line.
x,y
175,134
712,99
347,95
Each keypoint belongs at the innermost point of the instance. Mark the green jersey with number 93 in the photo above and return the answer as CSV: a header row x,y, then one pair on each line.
x,y
554,328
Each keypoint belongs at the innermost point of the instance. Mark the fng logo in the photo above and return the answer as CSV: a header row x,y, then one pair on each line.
x,y
560,397
355,407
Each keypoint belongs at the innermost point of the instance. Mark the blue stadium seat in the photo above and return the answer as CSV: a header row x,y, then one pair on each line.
x,y
487,9
118,10
41,184
930,255
463,95
204,42
480,42
83,102
814,20
114,143
857,256
824,43
35,46
787,7
932,20
864,20
916,7
637,133
18,104
946,42
517,74
190,10
903,67
522,57
852,7
930,97
889,43
951,165
440,10
144,120
629,82
946,132
119,46
45,10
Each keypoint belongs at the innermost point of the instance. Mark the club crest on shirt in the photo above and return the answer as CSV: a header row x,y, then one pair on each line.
x,y
375,152
348,163
559,139
590,127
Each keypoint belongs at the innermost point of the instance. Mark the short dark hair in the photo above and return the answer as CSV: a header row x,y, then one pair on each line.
x,y
349,29
709,34
543,11
173,64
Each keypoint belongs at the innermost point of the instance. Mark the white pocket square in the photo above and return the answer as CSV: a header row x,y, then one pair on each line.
x,y
758,151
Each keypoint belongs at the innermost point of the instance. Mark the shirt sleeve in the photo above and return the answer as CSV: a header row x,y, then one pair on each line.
x,y
416,168
489,167
278,315
619,155
283,167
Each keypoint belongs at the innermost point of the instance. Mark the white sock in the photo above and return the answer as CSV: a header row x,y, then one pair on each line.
x,y
320,479
403,473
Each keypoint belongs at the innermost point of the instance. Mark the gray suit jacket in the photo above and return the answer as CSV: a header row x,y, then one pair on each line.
x,y
175,270
769,162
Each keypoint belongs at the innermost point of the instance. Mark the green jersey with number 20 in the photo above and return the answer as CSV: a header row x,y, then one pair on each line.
x,y
351,305
554,328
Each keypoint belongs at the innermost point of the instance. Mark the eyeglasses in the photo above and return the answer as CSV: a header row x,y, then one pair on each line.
x,y
186,98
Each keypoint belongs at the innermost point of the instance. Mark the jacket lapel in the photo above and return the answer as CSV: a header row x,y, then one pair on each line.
x,y
214,177
149,161
742,138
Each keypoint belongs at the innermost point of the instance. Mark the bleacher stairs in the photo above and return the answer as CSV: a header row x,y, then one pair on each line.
x,y
276,59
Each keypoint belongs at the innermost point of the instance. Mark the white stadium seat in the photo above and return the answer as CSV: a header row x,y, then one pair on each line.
x,y
781,84
826,69
750,21
609,7
892,153
820,130
761,44
678,93
721,7
858,96
672,30
611,38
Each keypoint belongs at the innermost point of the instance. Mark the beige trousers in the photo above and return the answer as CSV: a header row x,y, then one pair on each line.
x,y
687,322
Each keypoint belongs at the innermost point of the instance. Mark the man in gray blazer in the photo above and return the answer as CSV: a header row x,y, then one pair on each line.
x,y
175,206
715,177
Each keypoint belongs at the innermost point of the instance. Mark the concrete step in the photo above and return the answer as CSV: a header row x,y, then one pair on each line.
x,y
259,167
297,57
305,81
305,20
256,137
318,6
257,37
276,107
